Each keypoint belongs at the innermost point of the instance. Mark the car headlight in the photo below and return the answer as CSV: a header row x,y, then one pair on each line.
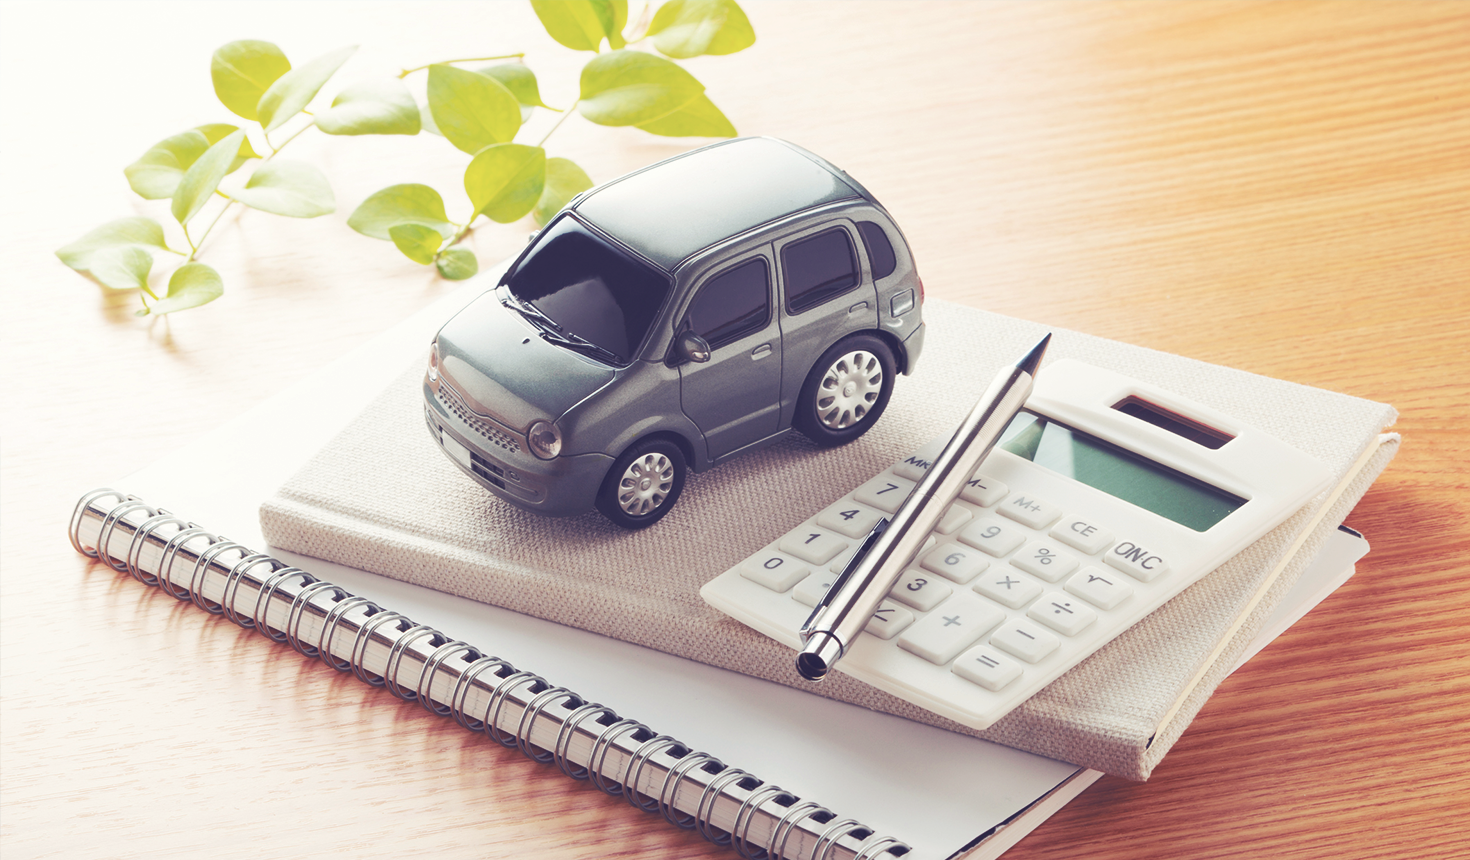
x,y
434,362
545,440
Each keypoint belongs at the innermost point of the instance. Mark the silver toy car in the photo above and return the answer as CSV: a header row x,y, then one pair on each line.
x,y
672,319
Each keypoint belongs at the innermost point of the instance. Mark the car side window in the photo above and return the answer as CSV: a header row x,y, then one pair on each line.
x,y
818,268
880,250
732,304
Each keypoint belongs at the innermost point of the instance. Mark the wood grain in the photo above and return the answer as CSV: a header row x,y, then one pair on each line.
x,y
1279,187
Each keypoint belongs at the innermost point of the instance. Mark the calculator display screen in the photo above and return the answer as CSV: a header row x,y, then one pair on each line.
x,y
1123,474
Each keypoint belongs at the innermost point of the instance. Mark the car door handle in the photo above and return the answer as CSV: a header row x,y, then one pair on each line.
x,y
760,352
860,306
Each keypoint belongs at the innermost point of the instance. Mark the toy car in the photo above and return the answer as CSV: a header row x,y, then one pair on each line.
x,y
674,318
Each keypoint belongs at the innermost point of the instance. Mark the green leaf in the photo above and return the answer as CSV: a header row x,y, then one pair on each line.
x,y
471,110
521,82
619,9
295,89
564,180
631,87
504,181
401,204
136,231
203,176
579,24
699,118
291,188
242,71
457,263
124,267
156,173
688,28
426,120
192,285
216,131
417,242
372,107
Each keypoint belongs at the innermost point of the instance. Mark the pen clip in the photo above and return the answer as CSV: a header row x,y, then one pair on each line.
x,y
842,578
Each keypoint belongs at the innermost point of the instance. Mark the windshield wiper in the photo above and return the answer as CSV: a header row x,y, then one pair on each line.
x,y
577,343
532,313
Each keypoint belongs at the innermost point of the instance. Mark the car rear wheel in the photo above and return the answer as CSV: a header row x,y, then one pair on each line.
x,y
643,484
846,391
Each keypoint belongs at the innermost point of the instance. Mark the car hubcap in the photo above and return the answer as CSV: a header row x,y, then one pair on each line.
x,y
645,484
849,389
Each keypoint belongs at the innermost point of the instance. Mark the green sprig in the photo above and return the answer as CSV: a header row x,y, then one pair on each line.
x,y
480,112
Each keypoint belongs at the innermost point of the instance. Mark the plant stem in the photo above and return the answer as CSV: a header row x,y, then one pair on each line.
x,y
406,72
276,149
561,119
208,229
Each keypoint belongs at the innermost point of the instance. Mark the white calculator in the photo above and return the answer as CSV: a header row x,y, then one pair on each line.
x,y
1104,498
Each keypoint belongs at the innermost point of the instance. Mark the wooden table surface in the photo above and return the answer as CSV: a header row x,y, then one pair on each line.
x,y
1278,187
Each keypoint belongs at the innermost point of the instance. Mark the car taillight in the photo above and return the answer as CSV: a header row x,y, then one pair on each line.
x,y
921,288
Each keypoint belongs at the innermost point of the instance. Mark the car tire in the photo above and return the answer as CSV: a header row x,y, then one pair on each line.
x,y
643,484
846,391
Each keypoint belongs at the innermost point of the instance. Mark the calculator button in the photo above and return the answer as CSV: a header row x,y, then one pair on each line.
x,y
1080,534
983,490
923,591
987,667
773,570
850,519
917,465
1136,561
813,545
884,493
1099,587
950,629
1028,510
1025,640
959,563
1046,560
956,516
1062,613
1007,587
889,620
992,536
810,591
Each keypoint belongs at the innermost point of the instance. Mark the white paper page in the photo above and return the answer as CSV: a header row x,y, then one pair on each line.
x,y
934,789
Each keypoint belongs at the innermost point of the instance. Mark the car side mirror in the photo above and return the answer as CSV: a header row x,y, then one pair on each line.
x,y
693,347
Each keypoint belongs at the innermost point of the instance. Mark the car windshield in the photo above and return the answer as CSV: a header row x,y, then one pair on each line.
x,y
589,289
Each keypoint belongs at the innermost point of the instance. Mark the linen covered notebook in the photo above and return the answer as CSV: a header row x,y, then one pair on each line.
x,y
380,497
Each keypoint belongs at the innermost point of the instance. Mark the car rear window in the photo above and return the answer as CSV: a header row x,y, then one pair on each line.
x,y
880,250
590,287
818,268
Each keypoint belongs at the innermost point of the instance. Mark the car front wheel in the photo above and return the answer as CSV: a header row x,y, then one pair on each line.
x,y
643,484
846,391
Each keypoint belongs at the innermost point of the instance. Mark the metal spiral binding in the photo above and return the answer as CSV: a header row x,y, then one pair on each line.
x,y
741,829
597,762
569,726
704,812
329,630
462,687
232,587
140,539
170,552
364,636
472,673
674,778
431,668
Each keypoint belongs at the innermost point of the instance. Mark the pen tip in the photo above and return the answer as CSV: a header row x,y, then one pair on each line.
x,y
1032,361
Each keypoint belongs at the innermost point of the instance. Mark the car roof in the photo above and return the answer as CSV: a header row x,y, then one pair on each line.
x,y
676,208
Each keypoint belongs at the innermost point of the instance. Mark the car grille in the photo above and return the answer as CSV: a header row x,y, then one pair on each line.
x,y
451,401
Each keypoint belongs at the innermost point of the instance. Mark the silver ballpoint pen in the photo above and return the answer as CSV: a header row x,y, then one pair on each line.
x,y
855,595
